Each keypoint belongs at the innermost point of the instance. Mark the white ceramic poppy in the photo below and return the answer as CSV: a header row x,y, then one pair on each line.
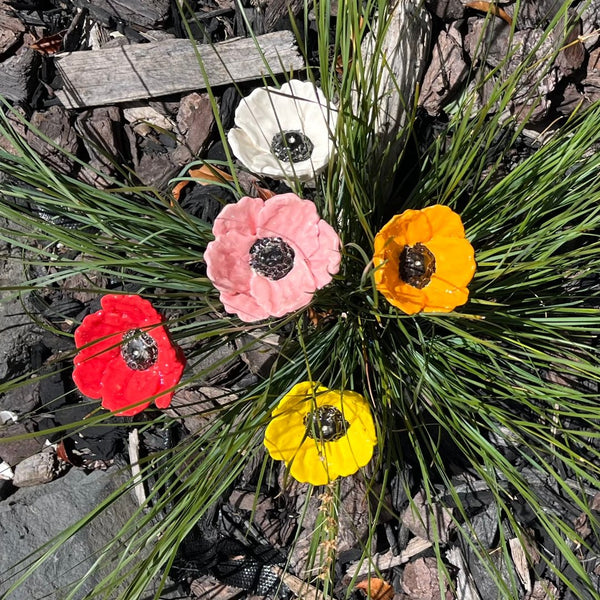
x,y
284,133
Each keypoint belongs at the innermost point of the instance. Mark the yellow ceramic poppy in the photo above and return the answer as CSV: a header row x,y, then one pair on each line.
x,y
321,434
423,262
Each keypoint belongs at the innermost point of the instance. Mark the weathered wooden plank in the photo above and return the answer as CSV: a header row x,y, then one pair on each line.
x,y
139,71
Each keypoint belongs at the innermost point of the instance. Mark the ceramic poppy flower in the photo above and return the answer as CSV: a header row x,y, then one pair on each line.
x,y
284,133
270,256
423,262
126,356
321,434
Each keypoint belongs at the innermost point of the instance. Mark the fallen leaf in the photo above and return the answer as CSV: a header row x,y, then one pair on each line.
x,y
50,44
264,193
376,589
491,8
206,175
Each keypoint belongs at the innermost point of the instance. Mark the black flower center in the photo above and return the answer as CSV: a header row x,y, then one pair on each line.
x,y
291,146
416,265
139,350
271,257
326,423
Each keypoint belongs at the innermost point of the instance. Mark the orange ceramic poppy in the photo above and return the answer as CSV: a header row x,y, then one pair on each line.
x,y
423,262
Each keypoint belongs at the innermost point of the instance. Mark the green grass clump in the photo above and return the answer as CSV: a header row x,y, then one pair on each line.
x,y
503,391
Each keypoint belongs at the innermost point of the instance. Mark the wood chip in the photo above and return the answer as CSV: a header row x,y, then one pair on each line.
x,y
141,71
465,586
56,124
198,406
134,458
146,13
421,579
445,73
427,521
520,560
17,75
209,588
5,471
195,122
396,65
543,590
144,119
11,30
302,589
387,560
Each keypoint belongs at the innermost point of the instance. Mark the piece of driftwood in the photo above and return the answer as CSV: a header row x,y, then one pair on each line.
x,y
141,71
395,65
394,56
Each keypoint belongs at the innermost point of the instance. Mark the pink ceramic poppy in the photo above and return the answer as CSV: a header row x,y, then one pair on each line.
x,y
269,257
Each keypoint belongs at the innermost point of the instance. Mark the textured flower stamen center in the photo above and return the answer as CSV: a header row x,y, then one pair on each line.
x,y
139,350
272,258
416,265
291,146
326,423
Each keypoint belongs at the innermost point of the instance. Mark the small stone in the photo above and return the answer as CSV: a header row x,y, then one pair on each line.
x,y
15,451
37,469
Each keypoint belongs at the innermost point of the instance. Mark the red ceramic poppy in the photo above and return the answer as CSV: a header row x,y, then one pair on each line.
x,y
126,356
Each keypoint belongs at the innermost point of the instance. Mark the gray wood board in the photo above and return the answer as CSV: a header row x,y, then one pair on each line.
x,y
139,71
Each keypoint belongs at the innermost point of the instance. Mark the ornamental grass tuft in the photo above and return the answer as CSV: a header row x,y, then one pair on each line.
x,y
436,323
